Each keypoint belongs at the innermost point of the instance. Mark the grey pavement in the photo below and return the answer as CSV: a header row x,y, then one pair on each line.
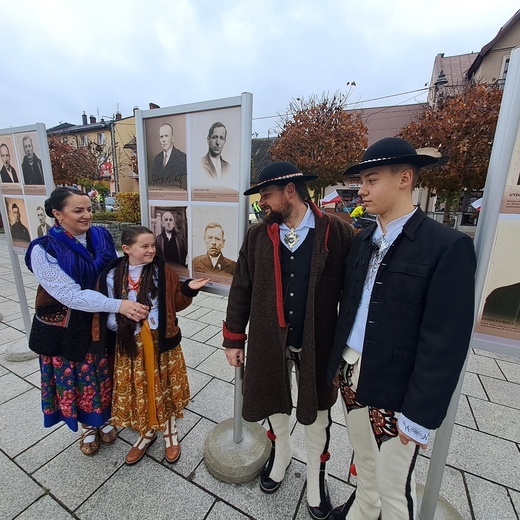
x,y
43,474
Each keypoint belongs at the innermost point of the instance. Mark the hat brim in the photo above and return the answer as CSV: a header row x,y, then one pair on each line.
x,y
417,160
279,182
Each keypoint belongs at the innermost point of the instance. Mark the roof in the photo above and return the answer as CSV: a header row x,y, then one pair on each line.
x,y
488,47
454,68
388,121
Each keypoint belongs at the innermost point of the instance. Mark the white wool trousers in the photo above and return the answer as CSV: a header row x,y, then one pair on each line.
x,y
385,467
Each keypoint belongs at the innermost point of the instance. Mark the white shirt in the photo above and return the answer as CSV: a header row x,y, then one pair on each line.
x,y
308,222
217,163
134,271
63,288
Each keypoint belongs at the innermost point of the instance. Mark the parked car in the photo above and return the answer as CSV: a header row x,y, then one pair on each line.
x,y
111,204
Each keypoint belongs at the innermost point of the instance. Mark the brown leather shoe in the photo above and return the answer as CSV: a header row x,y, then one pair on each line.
x,y
137,452
173,453
108,437
89,448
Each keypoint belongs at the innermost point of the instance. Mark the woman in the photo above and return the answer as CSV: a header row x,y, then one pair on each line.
x,y
76,383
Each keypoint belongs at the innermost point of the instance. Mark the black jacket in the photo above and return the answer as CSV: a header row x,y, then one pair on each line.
x,y
419,321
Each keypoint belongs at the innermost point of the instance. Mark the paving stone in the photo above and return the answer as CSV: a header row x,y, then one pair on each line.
x,y
205,402
482,454
472,386
196,314
47,448
207,332
217,365
190,327
217,304
452,486
221,511
72,477
197,381
46,508
11,385
3,371
248,498
21,368
35,379
10,334
25,410
515,498
169,496
18,490
188,310
502,392
511,359
483,365
464,416
496,419
9,308
214,318
511,370
195,352
489,501
216,341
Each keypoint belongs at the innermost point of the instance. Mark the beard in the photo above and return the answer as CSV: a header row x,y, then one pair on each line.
x,y
280,216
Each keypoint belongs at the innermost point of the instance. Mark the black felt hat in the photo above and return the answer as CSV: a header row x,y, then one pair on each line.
x,y
279,173
391,150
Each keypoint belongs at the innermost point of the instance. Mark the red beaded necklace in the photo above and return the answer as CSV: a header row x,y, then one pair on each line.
x,y
134,285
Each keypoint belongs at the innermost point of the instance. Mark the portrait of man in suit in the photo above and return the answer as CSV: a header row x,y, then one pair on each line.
x,y
169,166
170,243
8,172
43,226
18,230
213,163
31,165
214,261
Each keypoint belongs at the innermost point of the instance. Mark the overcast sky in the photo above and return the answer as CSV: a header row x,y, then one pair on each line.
x,y
63,57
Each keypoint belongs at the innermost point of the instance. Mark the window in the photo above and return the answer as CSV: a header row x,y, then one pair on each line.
x,y
101,138
505,66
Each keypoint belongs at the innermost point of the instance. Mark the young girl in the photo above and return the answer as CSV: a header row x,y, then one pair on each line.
x,y
150,379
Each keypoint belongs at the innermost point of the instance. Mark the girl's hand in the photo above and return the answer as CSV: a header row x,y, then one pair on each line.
x,y
198,283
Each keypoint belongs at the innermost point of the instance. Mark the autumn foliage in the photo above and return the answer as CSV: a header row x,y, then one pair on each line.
x,y
320,137
70,164
461,127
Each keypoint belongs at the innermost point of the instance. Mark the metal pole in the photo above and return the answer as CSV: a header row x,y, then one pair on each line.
x,y
237,409
440,454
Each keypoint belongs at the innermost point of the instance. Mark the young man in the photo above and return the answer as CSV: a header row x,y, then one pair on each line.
x,y
403,331
287,285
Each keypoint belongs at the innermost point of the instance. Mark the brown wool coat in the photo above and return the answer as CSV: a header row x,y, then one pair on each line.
x,y
252,299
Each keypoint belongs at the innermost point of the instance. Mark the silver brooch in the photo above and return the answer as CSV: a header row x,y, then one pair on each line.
x,y
291,239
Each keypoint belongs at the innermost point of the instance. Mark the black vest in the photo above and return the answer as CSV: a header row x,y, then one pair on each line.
x,y
296,268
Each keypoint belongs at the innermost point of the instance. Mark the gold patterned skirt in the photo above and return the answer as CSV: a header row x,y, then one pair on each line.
x,y
149,389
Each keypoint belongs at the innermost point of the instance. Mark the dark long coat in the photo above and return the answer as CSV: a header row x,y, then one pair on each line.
x,y
419,319
256,297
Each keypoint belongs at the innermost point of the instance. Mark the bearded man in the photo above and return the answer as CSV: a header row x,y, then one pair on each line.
x,y
287,285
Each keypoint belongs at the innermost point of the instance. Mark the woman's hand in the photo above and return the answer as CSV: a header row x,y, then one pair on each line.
x,y
235,356
134,310
198,283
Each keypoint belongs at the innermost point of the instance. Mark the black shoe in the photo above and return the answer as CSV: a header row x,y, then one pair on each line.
x,y
268,485
340,512
324,509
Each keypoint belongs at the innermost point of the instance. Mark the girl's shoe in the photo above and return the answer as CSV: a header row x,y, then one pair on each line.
x,y
141,447
89,440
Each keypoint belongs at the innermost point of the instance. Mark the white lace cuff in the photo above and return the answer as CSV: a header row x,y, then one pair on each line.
x,y
415,431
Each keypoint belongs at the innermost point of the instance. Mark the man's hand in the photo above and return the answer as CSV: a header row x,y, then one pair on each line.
x,y
235,356
405,439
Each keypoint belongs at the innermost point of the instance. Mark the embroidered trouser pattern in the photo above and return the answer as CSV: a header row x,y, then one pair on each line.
x,y
385,466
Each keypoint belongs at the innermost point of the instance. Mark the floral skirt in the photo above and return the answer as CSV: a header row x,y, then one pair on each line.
x,y
143,400
75,391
